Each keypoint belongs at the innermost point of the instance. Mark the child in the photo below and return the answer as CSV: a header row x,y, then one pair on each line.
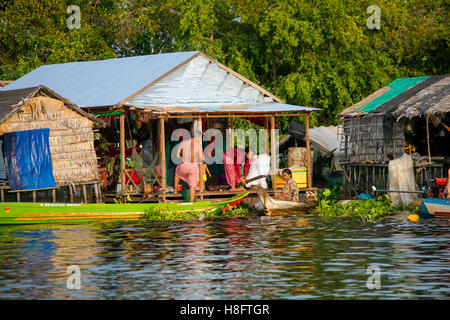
x,y
290,189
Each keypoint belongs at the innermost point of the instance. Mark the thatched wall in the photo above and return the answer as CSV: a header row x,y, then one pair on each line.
x,y
371,139
71,137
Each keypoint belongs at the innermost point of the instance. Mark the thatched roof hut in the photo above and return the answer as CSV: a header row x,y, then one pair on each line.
x,y
394,120
71,137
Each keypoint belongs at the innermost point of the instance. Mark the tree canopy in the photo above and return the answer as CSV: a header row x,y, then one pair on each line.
x,y
315,53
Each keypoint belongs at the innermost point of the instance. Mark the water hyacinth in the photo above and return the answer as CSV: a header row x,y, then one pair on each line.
x,y
367,210
163,213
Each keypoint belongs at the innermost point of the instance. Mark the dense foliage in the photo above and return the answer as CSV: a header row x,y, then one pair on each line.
x,y
317,53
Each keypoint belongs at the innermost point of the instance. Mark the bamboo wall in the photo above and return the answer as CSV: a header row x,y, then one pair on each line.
x,y
371,139
71,137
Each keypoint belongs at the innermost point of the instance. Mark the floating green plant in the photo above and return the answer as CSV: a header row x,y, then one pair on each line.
x,y
367,210
166,213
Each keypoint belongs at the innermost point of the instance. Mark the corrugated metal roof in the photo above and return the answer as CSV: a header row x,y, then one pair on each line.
x,y
103,82
189,80
196,83
252,108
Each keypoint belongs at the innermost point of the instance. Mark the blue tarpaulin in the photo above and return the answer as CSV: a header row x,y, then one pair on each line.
x,y
27,159
2,163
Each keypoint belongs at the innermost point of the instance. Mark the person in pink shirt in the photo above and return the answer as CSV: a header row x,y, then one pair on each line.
x,y
191,153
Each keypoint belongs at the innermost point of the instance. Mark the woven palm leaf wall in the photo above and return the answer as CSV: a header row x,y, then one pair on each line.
x,y
71,137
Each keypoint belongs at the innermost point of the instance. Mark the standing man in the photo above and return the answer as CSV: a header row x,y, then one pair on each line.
x,y
191,153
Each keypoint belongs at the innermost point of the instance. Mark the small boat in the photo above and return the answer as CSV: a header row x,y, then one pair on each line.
x,y
271,206
43,213
435,207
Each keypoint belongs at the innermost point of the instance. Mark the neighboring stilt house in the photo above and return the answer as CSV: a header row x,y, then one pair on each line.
x,y
409,115
48,142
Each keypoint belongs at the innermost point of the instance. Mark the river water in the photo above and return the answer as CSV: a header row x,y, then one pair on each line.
x,y
287,257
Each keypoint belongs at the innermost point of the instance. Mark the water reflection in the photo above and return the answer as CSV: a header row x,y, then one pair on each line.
x,y
284,257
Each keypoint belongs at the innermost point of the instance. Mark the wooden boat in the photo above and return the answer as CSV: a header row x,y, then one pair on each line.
x,y
271,206
435,207
40,213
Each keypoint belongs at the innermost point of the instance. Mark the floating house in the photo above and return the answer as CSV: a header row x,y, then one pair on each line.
x,y
48,143
143,99
409,115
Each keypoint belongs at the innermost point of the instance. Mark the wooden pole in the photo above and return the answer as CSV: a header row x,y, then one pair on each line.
x,y
201,168
266,126
232,131
273,155
162,152
122,153
428,139
71,193
54,195
85,194
95,185
308,152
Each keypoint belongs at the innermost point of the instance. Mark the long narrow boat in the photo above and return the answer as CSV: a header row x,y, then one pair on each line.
x,y
271,206
435,207
42,213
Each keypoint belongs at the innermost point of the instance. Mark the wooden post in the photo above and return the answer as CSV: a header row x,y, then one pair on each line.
x,y
428,139
308,152
273,155
54,195
34,195
3,195
71,193
18,196
201,169
85,199
162,152
95,185
122,153
266,126
232,131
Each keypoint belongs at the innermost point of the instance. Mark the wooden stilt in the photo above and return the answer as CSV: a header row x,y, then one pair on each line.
x,y
2,193
122,153
162,152
54,195
428,139
85,199
97,200
34,196
18,196
266,126
308,152
71,191
273,151
201,168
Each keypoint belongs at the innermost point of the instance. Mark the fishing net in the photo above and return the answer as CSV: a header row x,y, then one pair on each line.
x,y
401,177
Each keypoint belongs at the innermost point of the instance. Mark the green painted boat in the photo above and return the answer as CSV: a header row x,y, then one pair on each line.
x,y
43,213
